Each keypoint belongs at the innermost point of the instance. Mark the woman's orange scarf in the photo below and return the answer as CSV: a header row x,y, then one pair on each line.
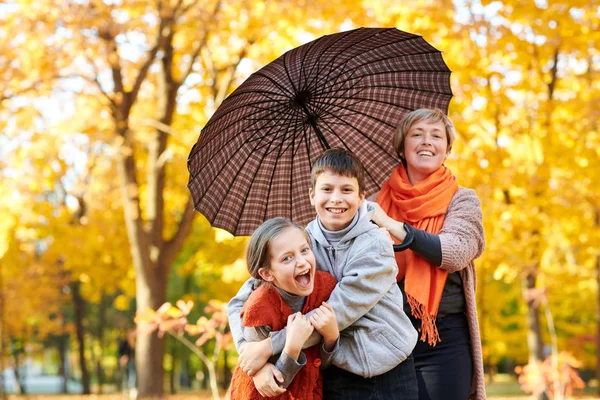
x,y
423,206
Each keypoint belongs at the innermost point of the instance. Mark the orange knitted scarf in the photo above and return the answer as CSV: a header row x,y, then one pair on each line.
x,y
423,206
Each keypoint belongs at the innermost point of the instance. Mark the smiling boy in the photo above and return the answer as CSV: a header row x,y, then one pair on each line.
x,y
377,338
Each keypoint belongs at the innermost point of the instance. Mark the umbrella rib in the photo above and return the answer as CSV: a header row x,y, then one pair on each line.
x,y
358,79
332,66
236,175
366,171
353,70
242,131
292,130
259,109
267,152
308,74
242,105
247,140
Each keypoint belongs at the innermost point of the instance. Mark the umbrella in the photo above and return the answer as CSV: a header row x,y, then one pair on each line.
x,y
253,158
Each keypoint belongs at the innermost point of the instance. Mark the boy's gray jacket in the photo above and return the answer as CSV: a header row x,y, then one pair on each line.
x,y
375,333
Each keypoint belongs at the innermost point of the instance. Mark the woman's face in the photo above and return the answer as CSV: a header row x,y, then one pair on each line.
x,y
425,149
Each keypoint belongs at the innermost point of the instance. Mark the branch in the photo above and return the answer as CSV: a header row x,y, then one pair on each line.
x,y
26,89
229,75
171,247
191,346
202,43
96,82
169,130
107,33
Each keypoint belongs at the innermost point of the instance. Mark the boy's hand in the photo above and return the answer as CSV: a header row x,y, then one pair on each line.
x,y
298,330
254,355
325,323
266,381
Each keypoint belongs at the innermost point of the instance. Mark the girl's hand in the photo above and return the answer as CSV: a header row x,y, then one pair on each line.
x,y
325,323
298,330
254,355
266,381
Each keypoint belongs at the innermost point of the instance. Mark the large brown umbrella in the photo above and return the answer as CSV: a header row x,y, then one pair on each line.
x,y
253,159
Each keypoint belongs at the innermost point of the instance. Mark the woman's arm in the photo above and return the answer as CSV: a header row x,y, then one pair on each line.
x,y
462,237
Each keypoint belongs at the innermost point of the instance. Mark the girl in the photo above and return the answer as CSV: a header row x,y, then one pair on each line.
x,y
280,258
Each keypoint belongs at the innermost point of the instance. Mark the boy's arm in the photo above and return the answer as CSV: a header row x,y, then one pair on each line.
x,y
367,277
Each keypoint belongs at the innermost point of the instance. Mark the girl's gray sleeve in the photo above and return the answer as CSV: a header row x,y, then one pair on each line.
x,y
327,356
234,309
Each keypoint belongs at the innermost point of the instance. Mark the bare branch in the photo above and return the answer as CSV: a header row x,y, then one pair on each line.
x,y
227,81
163,128
201,44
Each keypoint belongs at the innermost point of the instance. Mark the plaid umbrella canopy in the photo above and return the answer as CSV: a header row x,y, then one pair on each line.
x,y
253,159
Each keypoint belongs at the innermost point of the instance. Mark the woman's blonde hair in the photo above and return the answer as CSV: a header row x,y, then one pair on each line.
x,y
258,251
423,114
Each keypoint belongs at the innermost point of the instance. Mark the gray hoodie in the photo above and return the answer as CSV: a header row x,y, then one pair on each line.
x,y
376,335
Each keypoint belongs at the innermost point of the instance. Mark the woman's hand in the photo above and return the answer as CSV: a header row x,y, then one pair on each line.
x,y
377,214
394,228
325,323
266,381
254,355
298,330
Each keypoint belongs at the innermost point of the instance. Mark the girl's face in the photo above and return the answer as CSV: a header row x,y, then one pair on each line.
x,y
292,264
425,149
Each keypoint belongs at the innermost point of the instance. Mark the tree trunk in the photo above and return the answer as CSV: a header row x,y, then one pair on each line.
x,y
19,380
79,306
226,370
62,363
481,306
2,332
100,338
597,224
149,349
172,388
534,332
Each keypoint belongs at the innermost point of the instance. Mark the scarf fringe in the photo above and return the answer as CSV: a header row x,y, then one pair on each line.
x,y
429,331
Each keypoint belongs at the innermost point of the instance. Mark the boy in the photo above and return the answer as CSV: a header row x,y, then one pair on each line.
x,y
371,357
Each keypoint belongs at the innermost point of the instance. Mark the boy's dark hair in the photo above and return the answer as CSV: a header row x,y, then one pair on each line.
x,y
339,161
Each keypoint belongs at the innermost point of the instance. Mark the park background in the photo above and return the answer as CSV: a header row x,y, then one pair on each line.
x,y
102,100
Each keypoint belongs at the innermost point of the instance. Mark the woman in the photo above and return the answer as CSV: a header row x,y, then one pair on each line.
x,y
439,223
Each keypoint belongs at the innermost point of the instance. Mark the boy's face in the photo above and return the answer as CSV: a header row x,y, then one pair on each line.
x,y
336,199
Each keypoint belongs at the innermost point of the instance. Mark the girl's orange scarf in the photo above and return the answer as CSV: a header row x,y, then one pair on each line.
x,y
423,206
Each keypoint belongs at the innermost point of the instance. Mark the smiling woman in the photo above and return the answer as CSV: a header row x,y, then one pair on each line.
x,y
436,271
